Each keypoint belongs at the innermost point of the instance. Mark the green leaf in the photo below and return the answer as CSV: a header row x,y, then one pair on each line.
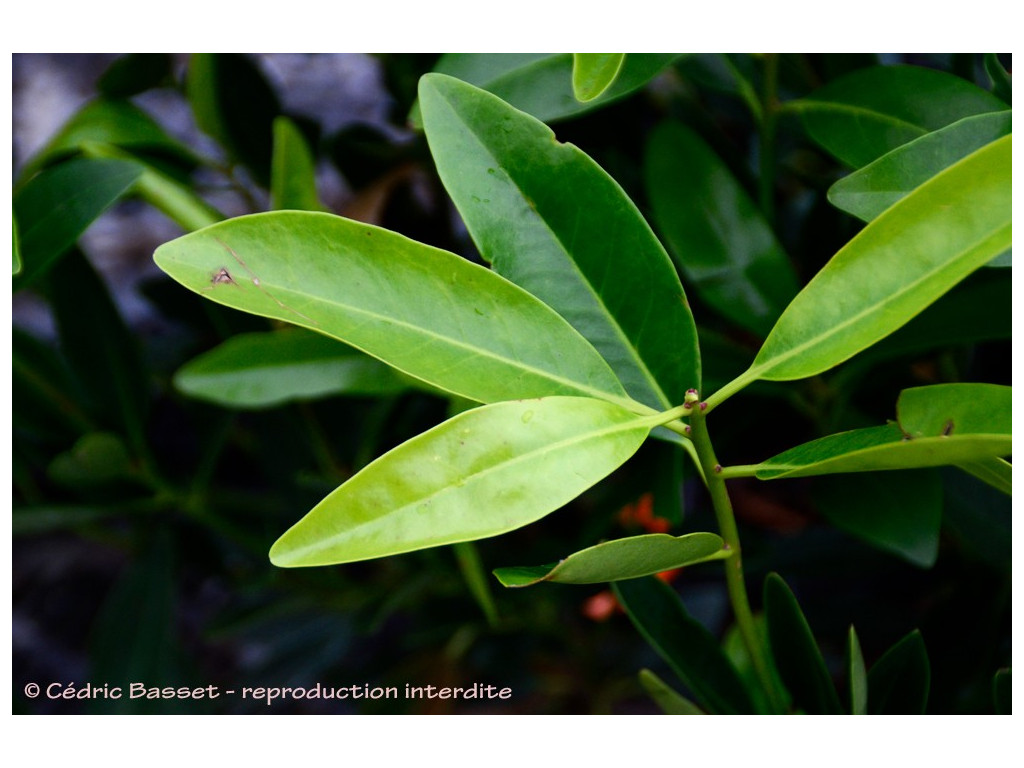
x,y
899,264
715,232
796,653
234,105
664,696
59,204
15,248
134,73
879,185
293,170
427,312
541,83
593,73
860,117
473,573
98,458
899,512
858,677
482,473
979,519
1002,692
262,370
1002,83
688,648
554,223
48,406
620,559
996,472
899,681
937,425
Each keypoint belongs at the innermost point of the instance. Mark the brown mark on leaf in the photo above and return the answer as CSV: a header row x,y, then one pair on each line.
x,y
221,277
256,282
948,429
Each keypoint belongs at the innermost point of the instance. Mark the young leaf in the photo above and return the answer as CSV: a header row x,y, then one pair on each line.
x,y
714,230
664,696
57,206
858,677
293,170
899,264
899,681
554,223
620,559
796,653
690,650
900,512
427,312
879,185
541,83
593,73
863,115
482,473
261,370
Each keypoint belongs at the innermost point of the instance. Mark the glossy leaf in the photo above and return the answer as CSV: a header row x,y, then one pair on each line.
x,y
936,425
427,312
879,185
899,264
714,231
593,73
857,675
261,370
688,648
1002,692
863,115
59,204
899,681
482,473
664,696
554,223
541,83
996,472
796,653
620,559
293,170
899,512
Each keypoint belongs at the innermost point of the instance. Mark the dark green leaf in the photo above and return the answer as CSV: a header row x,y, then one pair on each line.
x,y
857,674
41,386
1002,692
1002,83
262,370
879,185
796,653
690,650
98,458
996,472
715,232
593,73
473,573
427,312
134,73
899,681
664,696
899,512
16,248
860,117
620,559
234,105
293,173
979,519
59,204
553,222
482,473
541,83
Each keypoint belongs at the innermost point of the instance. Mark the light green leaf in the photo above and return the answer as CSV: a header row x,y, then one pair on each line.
x,y
899,512
899,264
261,370
937,425
628,558
664,696
996,472
715,232
427,312
863,115
593,73
293,170
482,473
552,221
541,83
879,185
857,674
59,204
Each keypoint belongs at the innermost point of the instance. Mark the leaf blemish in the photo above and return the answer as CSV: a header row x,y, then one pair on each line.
x,y
948,429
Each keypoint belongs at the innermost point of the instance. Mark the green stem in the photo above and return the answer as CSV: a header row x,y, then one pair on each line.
x,y
733,565
738,470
